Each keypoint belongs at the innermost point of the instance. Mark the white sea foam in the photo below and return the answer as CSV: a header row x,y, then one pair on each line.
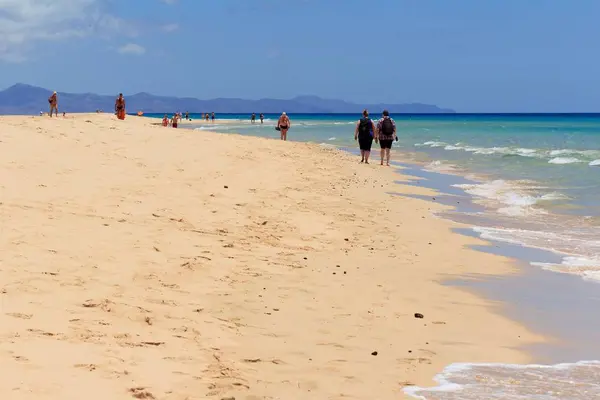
x,y
564,160
439,166
579,248
553,156
594,163
511,199
573,381
588,268
332,138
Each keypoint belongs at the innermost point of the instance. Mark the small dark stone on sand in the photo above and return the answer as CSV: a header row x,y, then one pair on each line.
x,y
346,239
334,273
429,242
426,342
344,272
264,223
228,398
227,187
337,266
418,315
410,351
374,353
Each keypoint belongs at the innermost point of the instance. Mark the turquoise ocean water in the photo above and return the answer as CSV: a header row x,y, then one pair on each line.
x,y
537,178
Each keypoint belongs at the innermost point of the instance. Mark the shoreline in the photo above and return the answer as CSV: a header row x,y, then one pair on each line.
x,y
253,242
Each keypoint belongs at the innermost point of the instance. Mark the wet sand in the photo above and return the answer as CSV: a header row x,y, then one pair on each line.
x,y
560,306
145,262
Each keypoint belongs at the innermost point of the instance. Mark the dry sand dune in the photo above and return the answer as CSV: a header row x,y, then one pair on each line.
x,y
143,262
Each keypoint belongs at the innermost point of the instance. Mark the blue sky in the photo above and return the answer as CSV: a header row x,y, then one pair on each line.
x,y
470,55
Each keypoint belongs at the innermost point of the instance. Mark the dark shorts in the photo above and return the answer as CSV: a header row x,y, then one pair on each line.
x,y
386,144
365,142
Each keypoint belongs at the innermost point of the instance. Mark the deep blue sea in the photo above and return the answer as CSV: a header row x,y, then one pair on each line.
x,y
537,180
538,176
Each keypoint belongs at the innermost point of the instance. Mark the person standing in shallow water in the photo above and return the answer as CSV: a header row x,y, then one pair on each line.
x,y
253,118
212,117
262,117
386,134
364,133
284,125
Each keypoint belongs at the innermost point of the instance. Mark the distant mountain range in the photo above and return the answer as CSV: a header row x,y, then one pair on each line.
x,y
27,99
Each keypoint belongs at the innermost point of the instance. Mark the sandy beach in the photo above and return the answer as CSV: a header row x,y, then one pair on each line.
x,y
157,263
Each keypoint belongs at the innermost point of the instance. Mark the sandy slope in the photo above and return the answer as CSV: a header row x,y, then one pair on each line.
x,y
143,262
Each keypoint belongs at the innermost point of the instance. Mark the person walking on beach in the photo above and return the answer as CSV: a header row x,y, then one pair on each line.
x,y
253,118
364,133
120,106
174,121
283,125
53,100
385,133
212,117
262,117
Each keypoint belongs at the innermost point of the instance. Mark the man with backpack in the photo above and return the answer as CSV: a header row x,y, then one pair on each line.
x,y
386,134
364,133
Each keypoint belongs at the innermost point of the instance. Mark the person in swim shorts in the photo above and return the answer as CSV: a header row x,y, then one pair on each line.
x,y
364,133
212,117
284,124
262,117
386,134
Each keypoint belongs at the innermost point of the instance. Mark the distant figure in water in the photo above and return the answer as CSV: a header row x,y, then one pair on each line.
x,y
207,117
213,117
120,107
165,120
187,116
253,118
262,117
364,133
386,133
174,121
284,124
53,100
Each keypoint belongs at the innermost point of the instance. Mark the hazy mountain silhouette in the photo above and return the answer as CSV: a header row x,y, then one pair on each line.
x,y
27,99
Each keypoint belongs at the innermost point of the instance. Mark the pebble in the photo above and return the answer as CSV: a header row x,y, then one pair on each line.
x,y
418,315
374,353
226,187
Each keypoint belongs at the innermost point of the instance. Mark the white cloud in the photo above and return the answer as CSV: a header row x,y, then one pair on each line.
x,y
132,48
25,22
170,27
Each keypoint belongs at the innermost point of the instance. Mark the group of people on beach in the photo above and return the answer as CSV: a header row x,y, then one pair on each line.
x,y
384,132
365,132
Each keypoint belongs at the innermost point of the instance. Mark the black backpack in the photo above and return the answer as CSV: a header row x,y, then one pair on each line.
x,y
364,127
387,127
